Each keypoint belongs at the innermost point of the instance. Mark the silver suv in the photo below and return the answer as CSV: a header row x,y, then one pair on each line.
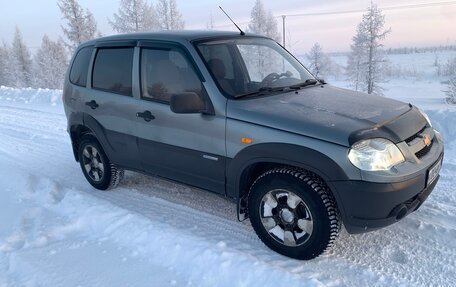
x,y
238,115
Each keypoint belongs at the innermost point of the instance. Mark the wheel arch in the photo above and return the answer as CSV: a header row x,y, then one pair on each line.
x,y
88,126
252,161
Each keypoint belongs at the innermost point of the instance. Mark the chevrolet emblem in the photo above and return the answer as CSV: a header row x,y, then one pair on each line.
x,y
427,140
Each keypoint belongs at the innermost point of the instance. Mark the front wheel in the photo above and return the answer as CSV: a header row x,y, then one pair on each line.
x,y
293,213
95,165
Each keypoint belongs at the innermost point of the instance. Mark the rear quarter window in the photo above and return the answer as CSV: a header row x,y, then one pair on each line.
x,y
112,70
80,67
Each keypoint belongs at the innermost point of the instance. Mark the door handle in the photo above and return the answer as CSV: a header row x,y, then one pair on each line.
x,y
92,104
147,116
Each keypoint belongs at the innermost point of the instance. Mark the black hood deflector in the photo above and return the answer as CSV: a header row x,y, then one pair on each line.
x,y
332,114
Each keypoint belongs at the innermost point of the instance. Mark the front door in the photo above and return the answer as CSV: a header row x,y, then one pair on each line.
x,y
185,147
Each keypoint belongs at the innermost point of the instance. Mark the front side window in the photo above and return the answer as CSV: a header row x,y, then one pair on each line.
x,y
220,61
112,70
258,64
167,72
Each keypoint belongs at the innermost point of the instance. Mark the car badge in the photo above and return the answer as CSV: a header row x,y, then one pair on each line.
x,y
427,140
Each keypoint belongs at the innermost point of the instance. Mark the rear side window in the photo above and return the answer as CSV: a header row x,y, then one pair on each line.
x,y
80,68
112,70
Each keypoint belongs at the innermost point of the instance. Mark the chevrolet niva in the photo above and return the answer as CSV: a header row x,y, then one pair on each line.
x,y
238,115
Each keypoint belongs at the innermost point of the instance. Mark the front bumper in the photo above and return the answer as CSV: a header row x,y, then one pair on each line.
x,y
367,206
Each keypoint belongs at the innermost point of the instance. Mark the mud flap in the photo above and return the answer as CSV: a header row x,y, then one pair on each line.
x,y
242,208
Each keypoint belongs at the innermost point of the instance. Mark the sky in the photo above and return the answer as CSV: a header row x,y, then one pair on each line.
x,y
417,27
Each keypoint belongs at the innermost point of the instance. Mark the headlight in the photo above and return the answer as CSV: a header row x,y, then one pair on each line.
x,y
375,154
426,117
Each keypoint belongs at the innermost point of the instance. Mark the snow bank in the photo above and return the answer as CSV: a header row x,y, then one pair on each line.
x,y
444,121
30,95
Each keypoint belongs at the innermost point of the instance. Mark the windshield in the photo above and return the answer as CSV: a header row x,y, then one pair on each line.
x,y
246,65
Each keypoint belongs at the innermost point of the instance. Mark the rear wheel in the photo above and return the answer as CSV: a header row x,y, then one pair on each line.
x,y
95,165
293,213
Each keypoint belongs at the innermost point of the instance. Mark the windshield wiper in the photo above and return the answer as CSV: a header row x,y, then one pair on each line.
x,y
308,82
261,91
266,90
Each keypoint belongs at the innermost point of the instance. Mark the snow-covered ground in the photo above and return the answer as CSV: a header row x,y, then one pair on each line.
x,y
56,230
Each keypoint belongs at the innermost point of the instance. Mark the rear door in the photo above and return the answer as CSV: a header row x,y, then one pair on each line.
x,y
186,147
109,101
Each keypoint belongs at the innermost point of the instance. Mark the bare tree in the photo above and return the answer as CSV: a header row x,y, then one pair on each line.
x,y
51,62
290,41
81,25
318,61
134,16
367,60
263,22
210,24
22,61
169,16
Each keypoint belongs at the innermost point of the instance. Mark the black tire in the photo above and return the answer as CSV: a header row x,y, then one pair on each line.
x,y
101,174
314,217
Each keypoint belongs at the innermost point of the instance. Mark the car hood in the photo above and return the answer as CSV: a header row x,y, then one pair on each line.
x,y
332,114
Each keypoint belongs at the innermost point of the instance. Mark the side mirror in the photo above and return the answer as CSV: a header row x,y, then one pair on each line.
x,y
187,103
322,80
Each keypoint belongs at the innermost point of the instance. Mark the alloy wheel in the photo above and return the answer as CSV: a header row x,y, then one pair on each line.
x,y
286,217
93,163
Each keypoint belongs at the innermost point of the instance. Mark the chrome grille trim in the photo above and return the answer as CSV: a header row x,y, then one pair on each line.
x,y
417,144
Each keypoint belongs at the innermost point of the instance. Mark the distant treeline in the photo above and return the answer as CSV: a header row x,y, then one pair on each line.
x,y
409,50
406,50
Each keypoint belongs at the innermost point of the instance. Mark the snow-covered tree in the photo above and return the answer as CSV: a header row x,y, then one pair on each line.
x,y
451,92
263,22
356,64
81,25
319,63
262,60
51,62
3,57
449,69
367,60
22,69
169,16
134,16
7,68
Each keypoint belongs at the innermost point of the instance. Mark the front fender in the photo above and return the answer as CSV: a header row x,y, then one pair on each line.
x,y
285,154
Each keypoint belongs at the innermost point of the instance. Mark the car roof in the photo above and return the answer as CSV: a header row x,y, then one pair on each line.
x,y
180,36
